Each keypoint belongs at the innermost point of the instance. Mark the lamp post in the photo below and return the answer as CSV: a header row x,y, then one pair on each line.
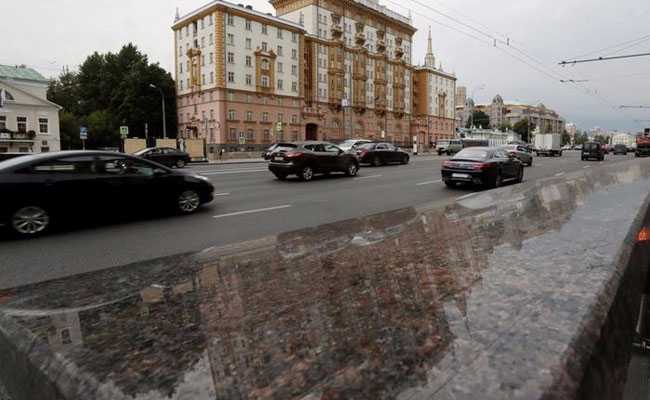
x,y
164,120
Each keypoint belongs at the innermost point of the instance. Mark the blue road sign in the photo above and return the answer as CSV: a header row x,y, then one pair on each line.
x,y
83,133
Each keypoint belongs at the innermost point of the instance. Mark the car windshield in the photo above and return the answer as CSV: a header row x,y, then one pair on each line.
x,y
472,154
591,146
285,147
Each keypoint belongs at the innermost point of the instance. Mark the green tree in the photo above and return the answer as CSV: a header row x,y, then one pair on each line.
x,y
566,138
505,126
114,89
480,119
523,127
69,128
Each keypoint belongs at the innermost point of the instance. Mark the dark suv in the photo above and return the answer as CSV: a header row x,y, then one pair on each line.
x,y
593,150
305,159
620,149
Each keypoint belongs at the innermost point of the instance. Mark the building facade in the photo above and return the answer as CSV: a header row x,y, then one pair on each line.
x,y
28,121
358,78
238,75
434,100
503,113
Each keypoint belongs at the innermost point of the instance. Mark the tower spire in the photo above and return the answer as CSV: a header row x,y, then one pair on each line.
x,y
430,59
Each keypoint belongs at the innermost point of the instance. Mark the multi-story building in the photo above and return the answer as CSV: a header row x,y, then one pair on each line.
x,y
434,100
510,112
28,121
358,68
238,73
461,95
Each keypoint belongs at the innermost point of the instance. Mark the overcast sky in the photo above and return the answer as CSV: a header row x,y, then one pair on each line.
x,y
50,34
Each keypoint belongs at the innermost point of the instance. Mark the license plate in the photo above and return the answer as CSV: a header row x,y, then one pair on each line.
x,y
279,158
463,176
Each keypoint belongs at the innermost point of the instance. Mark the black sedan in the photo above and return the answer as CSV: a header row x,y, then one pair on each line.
x,y
484,166
165,155
380,153
75,186
305,159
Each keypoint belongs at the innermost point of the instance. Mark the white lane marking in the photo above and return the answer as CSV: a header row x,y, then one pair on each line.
x,y
221,194
237,171
559,174
466,196
369,177
428,182
259,210
587,166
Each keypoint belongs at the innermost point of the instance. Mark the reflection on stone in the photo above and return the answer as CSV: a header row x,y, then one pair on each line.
x,y
393,305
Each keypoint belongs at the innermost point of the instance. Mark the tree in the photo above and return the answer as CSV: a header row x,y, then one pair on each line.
x,y
566,138
523,128
505,126
480,119
110,90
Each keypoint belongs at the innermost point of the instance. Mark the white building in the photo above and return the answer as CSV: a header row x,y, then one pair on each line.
x,y
623,138
28,121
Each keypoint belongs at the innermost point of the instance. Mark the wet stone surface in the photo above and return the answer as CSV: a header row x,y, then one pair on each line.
x,y
494,297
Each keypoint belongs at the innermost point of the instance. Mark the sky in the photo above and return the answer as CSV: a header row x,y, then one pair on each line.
x,y
48,35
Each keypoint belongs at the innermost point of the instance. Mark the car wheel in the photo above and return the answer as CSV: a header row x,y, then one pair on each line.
x,y
530,163
520,177
405,160
180,163
306,174
352,170
188,202
376,162
30,221
280,176
498,180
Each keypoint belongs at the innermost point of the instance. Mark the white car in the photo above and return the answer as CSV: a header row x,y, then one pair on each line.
x,y
350,143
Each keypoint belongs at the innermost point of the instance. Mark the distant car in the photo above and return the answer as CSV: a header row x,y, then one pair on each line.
x,y
305,159
520,152
442,146
592,150
167,156
267,153
9,156
52,189
381,153
620,149
486,166
567,147
577,147
351,144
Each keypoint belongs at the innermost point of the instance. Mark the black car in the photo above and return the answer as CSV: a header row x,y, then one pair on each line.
x,y
59,188
305,159
593,150
620,149
380,153
165,155
485,166
9,156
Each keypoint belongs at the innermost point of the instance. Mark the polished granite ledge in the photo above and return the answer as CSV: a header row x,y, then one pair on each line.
x,y
525,292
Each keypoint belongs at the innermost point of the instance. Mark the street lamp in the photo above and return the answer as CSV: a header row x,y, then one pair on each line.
x,y
162,96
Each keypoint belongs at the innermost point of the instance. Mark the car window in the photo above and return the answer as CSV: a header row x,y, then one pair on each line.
x,y
382,146
367,146
168,151
125,166
286,147
330,148
71,165
310,147
500,154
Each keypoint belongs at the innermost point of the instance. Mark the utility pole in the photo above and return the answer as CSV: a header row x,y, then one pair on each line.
x,y
164,120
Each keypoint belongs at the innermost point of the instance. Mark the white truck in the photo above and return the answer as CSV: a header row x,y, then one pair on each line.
x,y
548,144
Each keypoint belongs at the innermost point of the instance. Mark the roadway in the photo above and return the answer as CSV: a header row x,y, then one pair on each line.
x,y
249,204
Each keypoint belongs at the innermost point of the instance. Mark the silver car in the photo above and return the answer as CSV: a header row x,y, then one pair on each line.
x,y
520,152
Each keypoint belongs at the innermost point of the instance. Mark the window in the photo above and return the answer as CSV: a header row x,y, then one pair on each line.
x,y
294,87
231,77
211,58
249,79
280,84
294,119
231,96
212,38
202,79
264,46
265,64
3,121
249,115
231,58
230,20
202,41
264,29
265,81
265,116
21,123
294,54
249,62
211,115
232,115
232,134
231,39
279,33
248,25
249,43
203,60
267,135
181,85
43,125
250,135
294,37
279,50
294,70
202,23
180,68
280,117
73,165
211,77
280,67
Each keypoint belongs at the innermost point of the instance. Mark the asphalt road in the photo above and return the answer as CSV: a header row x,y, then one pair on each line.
x,y
249,204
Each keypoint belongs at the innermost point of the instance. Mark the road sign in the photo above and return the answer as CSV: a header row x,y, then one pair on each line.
x,y
124,131
278,126
242,139
83,133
